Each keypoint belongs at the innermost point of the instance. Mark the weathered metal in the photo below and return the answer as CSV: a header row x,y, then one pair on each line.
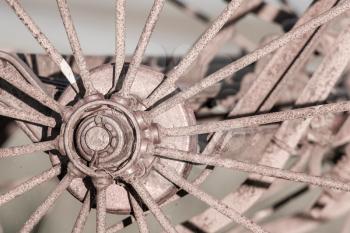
x,y
153,207
139,215
9,74
83,215
214,160
168,85
27,149
47,204
114,123
131,151
29,184
258,97
141,46
203,196
249,59
43,41
27,116
251,121
119,40
75,45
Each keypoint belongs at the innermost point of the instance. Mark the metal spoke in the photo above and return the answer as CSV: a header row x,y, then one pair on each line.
x,y
83,215
214,160
153,206
203,196
119,40
42,40
101,210
139,215
141,46
30,184
32,117
227,125
161,95
249,59
75,45
11,75
27,149
168,85
47,204
274,71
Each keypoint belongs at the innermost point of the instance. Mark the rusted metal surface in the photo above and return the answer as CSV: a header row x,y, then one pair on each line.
x,y
250,102
29,184
139,215
46,205
26,74
101,210
251,121
317,90
130,151
119,39
27,149
168,85
250,168
8,74
83,215
249,59
75,45
222,208
154,208
42,39
141,46
180,116
24,116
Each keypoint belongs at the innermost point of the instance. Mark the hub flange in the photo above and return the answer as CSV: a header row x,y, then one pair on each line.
x,y
122,138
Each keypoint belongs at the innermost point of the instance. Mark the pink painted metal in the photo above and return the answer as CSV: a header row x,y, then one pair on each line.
x,y
131,149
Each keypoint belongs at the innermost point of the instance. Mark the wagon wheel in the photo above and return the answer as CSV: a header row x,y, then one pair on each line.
x,y
127,146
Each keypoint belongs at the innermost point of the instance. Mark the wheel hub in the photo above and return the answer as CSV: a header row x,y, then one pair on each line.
x,y
102,138
108,139
97,138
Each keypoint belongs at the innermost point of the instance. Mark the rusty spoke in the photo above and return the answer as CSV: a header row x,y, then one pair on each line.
x,y
214,160
263,88
30,184
250,121
212,202
168,85
141,46
249,59
47,204
32,117
10,75
139,215
83,215
42,40
153,206
27,149
75,45
101,210
118,141
119,40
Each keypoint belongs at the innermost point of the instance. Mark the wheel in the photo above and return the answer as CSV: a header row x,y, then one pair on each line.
x,y
128,138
